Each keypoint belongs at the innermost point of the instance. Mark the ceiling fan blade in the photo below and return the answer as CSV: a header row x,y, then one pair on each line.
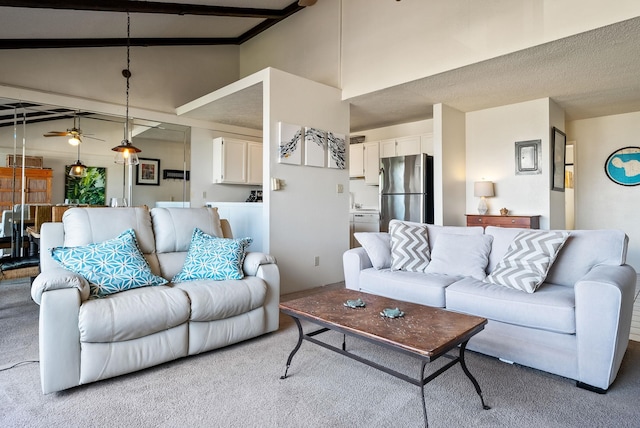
x,y
56,134
93,138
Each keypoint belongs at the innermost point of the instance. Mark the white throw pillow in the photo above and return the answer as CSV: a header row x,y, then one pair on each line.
x,y
378,247
460,255
409,246
528,260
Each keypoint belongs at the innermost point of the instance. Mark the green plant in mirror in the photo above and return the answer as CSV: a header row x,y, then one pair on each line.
x,y
90,189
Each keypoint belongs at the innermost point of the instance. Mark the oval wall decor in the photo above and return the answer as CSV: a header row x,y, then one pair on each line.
x,y
623,166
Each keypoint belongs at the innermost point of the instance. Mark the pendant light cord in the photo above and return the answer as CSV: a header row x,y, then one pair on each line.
x,y
127,74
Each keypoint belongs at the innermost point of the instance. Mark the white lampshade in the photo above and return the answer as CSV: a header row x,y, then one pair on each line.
x,y
482,190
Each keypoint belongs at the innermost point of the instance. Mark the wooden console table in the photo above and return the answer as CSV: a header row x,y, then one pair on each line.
x,y
522,221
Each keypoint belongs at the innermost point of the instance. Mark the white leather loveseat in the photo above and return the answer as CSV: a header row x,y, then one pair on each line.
x,y
576,324
85,339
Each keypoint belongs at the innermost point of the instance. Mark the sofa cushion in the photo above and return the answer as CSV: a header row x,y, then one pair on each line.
x,y
460,255
174,226
417,287
530,255
210,257
551,308
378,247
409,246
110,266
132,314
215,300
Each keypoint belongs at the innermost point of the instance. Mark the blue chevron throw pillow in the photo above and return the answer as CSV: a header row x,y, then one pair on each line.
x,y
528,260
210,257
110,266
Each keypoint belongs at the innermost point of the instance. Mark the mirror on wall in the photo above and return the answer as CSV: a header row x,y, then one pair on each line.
x,y
42,139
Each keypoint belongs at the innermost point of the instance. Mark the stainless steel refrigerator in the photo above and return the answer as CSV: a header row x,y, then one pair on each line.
x,y
406,189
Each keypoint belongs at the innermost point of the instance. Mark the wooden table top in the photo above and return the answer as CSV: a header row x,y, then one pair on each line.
x,y
423,330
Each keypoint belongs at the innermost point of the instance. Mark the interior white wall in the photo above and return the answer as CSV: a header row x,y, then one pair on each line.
x,y
307,218
449,160
397,42
306,44
491,137
600,203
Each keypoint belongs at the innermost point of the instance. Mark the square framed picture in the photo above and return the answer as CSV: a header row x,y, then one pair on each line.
x,y
148,172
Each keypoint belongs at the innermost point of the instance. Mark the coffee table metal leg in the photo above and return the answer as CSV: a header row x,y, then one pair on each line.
x,y
424,405
463,347
300,336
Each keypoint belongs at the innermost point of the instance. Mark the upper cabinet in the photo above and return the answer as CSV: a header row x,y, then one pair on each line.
x,y
364,161
237,161
400,147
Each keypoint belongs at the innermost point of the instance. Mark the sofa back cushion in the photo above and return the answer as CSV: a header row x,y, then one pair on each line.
x,y
173,229
582,251
84,226
433,231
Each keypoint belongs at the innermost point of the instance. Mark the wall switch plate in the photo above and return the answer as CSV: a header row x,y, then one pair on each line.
x,y
316,261
339,188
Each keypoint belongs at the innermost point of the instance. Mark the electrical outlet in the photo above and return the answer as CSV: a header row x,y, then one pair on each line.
x,y
204,195
316,261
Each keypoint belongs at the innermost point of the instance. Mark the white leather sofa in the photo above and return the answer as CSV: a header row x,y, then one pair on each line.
x,y
84,340
575,325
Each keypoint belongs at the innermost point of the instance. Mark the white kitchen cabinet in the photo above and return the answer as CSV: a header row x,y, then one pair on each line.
x,y
237,161
254,163
403,146
356,160
364,161
371,163
426,143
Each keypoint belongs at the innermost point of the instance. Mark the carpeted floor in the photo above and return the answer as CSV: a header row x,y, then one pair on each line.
x,y
240,386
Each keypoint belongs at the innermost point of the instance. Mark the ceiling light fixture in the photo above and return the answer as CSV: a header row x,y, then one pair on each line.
x,y
78,169
127,153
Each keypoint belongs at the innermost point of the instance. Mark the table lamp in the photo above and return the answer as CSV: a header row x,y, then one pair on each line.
x,y
482,190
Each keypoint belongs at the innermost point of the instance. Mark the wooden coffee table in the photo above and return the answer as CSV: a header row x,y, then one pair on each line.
x,y
424,332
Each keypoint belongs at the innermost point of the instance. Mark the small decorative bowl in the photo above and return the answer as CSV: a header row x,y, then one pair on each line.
x,y
392,313
357,303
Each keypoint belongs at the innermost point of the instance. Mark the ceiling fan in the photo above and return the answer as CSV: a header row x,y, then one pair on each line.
x,y
75,134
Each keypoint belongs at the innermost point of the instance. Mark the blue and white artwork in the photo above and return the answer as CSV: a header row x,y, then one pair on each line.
x,y
290,148
623,166
336,149
315,147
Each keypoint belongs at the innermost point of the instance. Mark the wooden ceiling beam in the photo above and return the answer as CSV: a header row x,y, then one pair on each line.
x,y
148,7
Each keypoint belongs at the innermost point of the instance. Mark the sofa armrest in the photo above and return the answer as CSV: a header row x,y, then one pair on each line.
x,y
267,270
56,279
59,340
604,307
353,261
253,260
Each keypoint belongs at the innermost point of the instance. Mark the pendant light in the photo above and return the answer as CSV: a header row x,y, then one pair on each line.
x,y
78,169
127,153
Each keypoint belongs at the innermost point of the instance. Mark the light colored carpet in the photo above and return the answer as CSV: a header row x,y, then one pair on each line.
x,y
240,386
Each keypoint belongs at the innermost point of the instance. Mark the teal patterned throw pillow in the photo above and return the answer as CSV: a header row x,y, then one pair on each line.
x,y
110,266
210,257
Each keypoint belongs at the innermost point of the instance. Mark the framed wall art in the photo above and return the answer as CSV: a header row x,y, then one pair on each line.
x,y
290,144
528,157
623,166
90,189
558,150
148,172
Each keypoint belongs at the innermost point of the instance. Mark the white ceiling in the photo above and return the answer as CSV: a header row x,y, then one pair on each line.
x,y
592,74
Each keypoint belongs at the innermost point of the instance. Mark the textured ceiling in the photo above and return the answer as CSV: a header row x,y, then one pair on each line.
x,y
592,74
